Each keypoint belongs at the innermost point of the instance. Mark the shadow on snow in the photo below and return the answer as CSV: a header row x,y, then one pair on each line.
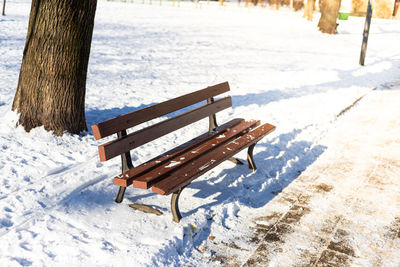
x,y
279,163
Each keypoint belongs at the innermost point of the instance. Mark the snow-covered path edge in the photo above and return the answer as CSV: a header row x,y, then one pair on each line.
x,y
344,210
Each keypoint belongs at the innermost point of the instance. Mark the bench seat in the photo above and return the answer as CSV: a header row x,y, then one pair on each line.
x,y
127,178
172,171
209,159
158,171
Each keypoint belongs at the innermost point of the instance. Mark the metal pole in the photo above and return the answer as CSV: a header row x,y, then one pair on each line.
x,y
366,33
4,8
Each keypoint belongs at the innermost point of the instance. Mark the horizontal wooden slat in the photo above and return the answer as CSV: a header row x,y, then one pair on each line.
x,y
109,127
145,180
126,178
184,175
141,137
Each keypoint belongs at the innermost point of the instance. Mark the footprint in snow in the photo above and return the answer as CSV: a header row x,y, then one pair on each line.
x,y
5,223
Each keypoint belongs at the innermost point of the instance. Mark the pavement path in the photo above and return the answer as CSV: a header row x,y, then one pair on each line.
x,y
344,210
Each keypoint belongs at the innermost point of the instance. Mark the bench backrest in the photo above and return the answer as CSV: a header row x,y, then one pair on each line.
x,y
125,142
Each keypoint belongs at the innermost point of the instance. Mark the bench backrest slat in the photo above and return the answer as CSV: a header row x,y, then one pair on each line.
x,y
109,127
141,137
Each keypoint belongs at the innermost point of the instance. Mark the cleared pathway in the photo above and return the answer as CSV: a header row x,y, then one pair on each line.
x,y
344,210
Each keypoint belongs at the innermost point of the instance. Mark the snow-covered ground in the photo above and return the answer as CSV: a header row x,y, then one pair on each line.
x,y
57,200
343,210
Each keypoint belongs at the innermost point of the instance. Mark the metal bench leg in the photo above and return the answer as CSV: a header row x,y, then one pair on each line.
x,y
126,164
250,160
212,119
120,195
176,214
236,161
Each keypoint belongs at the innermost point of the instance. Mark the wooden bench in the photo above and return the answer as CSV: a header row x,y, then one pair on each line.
x,y
174,170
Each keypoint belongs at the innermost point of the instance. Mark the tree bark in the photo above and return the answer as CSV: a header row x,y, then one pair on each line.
x,y
52,81
329,14
309,10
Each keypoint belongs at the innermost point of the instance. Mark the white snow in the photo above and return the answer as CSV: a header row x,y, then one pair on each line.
x,y
172,164
57,199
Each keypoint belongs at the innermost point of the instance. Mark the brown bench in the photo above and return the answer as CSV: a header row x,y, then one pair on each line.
x,y
174,170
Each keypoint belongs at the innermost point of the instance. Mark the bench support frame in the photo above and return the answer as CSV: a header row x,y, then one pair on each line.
x,y
236,161
212,124
250,159
176,214
126,163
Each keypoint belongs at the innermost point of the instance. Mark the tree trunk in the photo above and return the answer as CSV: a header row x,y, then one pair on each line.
x,y
396,7
52,80
309,9
329,14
